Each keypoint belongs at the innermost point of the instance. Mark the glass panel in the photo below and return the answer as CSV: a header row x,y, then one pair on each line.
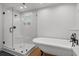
x,y
7,28
24,32
17,36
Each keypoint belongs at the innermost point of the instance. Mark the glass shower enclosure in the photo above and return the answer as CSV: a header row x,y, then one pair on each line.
x,y
19,30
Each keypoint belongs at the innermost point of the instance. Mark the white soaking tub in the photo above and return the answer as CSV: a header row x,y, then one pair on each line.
x,y
60,47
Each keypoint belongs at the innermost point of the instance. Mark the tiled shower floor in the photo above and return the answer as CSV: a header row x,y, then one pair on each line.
x,y
3,53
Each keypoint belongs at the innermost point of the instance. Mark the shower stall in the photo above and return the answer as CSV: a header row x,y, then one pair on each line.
x,y
18,29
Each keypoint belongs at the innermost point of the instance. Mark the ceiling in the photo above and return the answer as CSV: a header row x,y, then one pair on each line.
x,y
29,6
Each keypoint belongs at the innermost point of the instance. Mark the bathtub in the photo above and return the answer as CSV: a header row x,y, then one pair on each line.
x,y
59,47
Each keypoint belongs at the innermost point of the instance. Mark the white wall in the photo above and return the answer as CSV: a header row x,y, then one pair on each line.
x,y
56,21
0,26
77,16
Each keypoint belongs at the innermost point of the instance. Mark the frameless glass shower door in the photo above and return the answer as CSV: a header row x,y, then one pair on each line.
x,y
19,30
12,29
7,30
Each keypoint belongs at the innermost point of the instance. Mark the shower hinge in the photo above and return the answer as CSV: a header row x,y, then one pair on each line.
x,y
3,13
3,42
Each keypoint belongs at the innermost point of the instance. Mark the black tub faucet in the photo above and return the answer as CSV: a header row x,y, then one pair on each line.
x,y
73,39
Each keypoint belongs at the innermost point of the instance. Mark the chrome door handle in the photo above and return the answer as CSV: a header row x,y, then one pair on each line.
x,y
11,29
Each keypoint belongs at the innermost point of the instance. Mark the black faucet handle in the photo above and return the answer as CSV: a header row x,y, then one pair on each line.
x,y
77,42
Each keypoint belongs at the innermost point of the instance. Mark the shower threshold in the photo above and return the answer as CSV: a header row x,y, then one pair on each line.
x,y
20,50
3,53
